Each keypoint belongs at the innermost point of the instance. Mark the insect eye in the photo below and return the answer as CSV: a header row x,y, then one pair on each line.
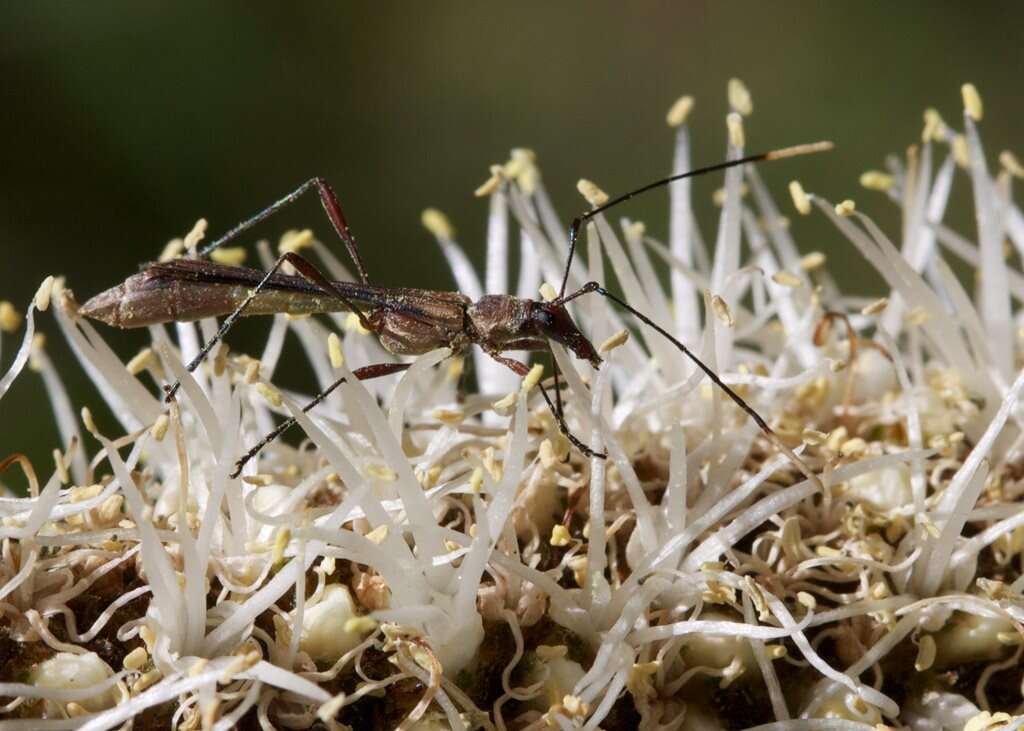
x,y
544,318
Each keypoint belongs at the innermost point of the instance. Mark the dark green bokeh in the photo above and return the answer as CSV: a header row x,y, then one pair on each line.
x,y
124,122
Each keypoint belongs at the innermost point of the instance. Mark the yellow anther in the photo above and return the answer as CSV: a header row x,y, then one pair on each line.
x,y
591,193
378,535
812,261
252,372
193,237
380,472
618,339
230,255
548,291
721,309
925,653
42,298
875,307
1007,159
361,625
532,378
438,224
876,180
10,318
281,540
354,324
739,97
972,102
935,129
271,394
853,447
560,536
135,659
172,250
787,279
491,184
679,111
142,360
294,241
476,480
334,351
800,199
845,208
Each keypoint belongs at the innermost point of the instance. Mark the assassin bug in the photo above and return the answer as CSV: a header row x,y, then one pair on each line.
x,y
407,321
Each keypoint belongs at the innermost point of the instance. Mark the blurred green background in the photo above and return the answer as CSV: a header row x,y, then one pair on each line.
x,y
122,123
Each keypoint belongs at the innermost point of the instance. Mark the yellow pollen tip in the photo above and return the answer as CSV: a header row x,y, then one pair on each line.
x,y
532,378
1007,159
846,208
42,298
812,261
438,224
294,241
925,653
787,279
616,340
721,309
476,481
591,193
352,324
560,536
10,318
334,351
504,404
875,307
193,237
548,291
679,111
230,255
801,201
739,97
360,625
490,185
172,250
876,180
271,394
159,428
252,372
87,420
972,102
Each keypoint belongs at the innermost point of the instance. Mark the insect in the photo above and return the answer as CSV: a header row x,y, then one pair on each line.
x,y
407,321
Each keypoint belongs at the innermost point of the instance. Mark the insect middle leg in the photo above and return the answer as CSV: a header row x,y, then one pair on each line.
x,y
331,207
362,374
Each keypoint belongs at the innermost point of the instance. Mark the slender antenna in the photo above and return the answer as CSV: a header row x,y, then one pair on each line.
x,y
779,154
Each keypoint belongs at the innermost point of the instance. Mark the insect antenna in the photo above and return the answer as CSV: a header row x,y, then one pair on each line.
x,y
577,223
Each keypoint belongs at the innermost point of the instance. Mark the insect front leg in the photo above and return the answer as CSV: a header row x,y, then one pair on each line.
x,y
521,369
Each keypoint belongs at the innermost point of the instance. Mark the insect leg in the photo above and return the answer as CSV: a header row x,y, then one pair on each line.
x,y
363,374
331,207
737,399
522,369
304,268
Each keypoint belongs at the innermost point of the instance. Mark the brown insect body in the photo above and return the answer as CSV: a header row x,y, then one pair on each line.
x,y
407,321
